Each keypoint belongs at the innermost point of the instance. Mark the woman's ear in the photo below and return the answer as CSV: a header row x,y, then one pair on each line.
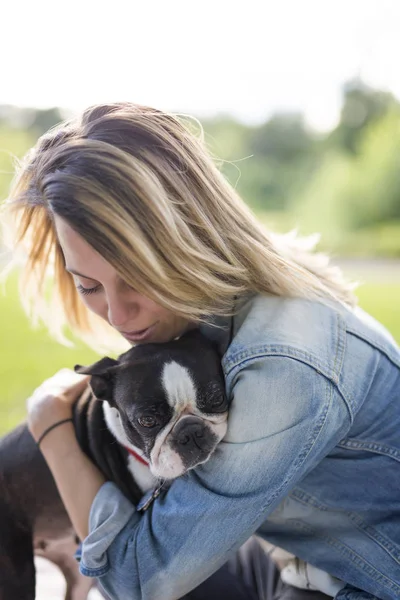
x,y
102,377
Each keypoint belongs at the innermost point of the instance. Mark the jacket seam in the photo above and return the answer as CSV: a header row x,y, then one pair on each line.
x,y
303,361
340,348
374,344
343,386
307,500
370,446
244,356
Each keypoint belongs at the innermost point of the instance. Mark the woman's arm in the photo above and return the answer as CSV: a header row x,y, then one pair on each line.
x,y
78,479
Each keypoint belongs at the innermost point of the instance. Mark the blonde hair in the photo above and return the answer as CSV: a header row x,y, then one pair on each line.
x,y
143,191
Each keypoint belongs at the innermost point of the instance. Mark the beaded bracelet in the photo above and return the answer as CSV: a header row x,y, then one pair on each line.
x,y
46,431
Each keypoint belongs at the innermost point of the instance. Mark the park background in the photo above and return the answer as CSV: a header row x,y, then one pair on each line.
x,y
299,104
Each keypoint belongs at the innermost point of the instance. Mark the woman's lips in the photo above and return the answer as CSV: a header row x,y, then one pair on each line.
x,y
139,335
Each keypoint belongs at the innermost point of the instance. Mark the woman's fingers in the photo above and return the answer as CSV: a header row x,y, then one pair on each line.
x,y
53,399
65,383
76,385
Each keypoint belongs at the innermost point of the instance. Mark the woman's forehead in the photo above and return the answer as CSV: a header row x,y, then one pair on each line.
x,y
80,258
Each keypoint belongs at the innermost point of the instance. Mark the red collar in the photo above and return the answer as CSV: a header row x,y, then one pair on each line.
x,y
137,456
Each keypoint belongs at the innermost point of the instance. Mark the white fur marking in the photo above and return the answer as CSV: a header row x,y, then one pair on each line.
x,y
178,386
169,464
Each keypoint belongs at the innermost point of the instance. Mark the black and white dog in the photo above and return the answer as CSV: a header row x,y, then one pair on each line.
x,y
166,406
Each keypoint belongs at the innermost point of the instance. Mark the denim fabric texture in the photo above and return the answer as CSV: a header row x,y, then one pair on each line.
x,y
311,462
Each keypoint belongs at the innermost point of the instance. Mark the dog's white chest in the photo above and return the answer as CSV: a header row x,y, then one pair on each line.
x,y
141,474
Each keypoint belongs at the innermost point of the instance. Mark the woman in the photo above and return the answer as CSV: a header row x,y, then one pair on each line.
x,y
125,210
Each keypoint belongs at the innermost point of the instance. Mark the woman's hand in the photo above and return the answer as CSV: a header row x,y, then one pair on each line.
x,y
52,401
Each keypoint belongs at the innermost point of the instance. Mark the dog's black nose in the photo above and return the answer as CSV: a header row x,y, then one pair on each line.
x,y
190,432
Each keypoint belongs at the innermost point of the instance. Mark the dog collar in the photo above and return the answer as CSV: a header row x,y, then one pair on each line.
x,y
137,456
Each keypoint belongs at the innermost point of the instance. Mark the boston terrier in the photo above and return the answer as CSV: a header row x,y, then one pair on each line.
x,y
166,406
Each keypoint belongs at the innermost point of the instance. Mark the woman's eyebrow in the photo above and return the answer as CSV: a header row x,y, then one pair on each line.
x,y
79,274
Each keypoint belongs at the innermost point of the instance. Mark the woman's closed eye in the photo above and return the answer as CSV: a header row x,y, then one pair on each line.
x,y
86,291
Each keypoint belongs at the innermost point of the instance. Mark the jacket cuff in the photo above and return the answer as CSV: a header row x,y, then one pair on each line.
x,y
109,513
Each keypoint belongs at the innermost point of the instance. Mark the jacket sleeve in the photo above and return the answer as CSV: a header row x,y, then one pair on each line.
x,y
284,418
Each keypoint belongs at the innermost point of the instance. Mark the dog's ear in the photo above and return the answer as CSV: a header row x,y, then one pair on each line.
x,y
102,377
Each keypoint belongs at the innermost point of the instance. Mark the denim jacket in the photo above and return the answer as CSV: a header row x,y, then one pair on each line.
x,y
311,462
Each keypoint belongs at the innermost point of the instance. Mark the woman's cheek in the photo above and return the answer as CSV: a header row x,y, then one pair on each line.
x,y
96,305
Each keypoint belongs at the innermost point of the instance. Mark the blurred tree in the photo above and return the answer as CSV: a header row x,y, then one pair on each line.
x,y
15,116
321,206
44,119
34,119
267,163
353,193
226,138
13,145
285,138
285,155
362,106
373,193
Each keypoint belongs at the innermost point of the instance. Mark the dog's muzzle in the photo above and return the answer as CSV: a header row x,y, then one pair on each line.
x,y
190,442
193,440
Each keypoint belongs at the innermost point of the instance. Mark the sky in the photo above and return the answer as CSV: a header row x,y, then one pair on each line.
x,y
246,58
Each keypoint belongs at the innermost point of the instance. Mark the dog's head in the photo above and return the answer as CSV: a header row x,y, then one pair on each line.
x,y
167,400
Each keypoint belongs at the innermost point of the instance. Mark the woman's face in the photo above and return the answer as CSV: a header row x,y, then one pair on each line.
x,y
105,294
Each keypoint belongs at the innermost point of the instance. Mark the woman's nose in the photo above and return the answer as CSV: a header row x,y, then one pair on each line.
x,y
122,309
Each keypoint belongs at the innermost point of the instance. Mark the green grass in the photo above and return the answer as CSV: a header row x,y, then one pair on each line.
x,y
28,357
382,301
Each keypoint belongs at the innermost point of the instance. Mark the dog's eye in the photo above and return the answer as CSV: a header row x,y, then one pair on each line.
x,y
218,401
147,421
